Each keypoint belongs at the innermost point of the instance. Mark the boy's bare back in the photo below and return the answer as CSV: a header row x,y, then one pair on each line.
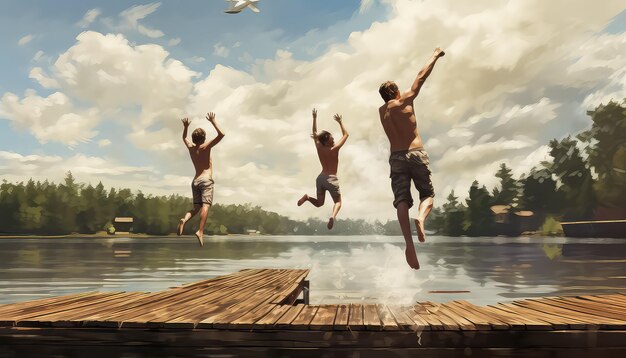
x,y
200,153
328,153
201,159
329,158
399,122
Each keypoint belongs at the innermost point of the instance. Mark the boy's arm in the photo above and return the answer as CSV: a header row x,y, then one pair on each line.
x,y
423,75
211,118
314,131
186,122
344,133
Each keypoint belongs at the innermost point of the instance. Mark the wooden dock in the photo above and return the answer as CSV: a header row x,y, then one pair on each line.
x,y
595,228
266,312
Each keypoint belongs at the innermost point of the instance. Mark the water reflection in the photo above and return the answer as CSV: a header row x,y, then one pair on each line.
x,y
344,269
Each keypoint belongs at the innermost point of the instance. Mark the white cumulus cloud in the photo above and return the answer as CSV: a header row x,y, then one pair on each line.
x,y
50,119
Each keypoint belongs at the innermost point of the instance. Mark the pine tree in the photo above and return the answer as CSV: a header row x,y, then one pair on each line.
x,y
478,218
508,190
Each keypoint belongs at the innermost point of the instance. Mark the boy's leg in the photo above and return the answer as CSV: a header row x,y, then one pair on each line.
x,y
422,178
321,193
319,201
204,212
336,208
207,200
424,209
187,217
405,226
401,187
304,198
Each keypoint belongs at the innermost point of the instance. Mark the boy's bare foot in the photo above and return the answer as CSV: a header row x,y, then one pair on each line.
x,y
181,226
303,199
199,236
419,227
331,222
411,258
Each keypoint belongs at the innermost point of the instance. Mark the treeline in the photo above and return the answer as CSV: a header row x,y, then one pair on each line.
x,y
587,172
46,208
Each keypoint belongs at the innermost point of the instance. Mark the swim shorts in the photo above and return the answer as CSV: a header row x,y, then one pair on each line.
x,y
327,182
407,165
202,190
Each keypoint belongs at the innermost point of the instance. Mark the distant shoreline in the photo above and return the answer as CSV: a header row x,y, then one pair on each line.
x,y
103,235
78,236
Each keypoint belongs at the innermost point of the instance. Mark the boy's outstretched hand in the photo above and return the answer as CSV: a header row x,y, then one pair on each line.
x,y
337,117
439,52
314,113
186,122
210,117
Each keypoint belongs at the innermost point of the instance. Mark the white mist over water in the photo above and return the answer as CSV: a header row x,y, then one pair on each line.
x,y
376,273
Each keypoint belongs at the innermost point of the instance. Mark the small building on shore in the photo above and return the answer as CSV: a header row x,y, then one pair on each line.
x,y
500,213
123,225
511,222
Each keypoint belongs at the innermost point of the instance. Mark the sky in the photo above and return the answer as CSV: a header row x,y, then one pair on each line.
x,y
98,88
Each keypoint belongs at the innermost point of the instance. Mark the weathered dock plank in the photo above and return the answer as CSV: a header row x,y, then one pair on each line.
x,y
304,318
341,319
478,317
405,321
324,318
272,317
61,307
517,321
355,318
459,320
285,320
387,320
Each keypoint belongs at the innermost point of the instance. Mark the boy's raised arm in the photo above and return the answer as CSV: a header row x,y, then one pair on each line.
x,y
211,118
314,134
185,127
344,132
314,131
423,75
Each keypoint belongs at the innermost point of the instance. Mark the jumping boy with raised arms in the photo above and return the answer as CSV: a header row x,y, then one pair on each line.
x,y
202,184
328,153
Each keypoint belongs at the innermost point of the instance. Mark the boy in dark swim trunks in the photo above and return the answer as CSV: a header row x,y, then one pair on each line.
x,y
202,184
408,160
328,153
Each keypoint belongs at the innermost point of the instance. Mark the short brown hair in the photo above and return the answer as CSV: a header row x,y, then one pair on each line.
x,y
323,137
198,136
388,90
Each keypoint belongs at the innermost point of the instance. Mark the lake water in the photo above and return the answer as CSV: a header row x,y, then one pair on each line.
x,y
343,269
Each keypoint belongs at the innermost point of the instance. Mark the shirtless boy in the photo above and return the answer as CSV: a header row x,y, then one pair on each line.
x,y
202,184
408,160
328,153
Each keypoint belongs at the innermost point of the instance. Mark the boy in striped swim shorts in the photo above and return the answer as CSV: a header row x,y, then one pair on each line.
x,y
408,160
